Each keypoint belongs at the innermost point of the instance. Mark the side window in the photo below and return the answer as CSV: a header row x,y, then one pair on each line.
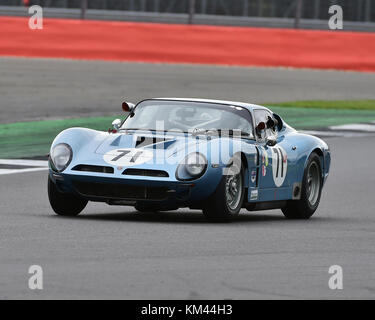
x,y
245,126
262,116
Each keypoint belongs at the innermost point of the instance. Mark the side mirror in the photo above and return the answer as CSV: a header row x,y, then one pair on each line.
x,y
128,106
271,141
116,124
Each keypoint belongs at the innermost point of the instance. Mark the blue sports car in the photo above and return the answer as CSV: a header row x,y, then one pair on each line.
x,y
168,153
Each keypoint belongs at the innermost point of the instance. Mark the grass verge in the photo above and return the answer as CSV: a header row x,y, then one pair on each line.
x,y
315,118
324,104
29,139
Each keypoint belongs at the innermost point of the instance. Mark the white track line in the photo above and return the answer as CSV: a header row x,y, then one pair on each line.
x,y
22,162
40,165
327,134
362,127
13,171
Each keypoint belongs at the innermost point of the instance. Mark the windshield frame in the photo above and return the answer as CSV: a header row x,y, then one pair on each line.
x,y
225,106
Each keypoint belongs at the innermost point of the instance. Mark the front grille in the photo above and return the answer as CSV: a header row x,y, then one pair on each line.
x,y
90,168
146,173
120,191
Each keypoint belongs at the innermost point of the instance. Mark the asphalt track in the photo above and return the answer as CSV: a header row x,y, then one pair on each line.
x,y
114,252
33,89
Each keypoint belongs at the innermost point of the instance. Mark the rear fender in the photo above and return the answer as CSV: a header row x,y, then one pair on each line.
x,y
321,149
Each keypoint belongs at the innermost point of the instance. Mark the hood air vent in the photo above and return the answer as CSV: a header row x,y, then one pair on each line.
x,y
90,168
146,173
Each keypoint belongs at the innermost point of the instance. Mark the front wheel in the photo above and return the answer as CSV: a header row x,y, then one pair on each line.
x,y
64,204
226,202
311,191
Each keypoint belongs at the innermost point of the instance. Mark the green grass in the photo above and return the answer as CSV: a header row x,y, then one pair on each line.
x,y
29,139
338,104
310,118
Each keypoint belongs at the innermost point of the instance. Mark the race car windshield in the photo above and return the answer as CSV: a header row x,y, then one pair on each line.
x,y
186,116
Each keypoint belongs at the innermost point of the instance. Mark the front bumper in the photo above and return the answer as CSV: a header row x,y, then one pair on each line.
x,y
128,191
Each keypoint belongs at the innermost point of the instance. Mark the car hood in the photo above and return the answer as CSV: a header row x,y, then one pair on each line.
x,y
162,145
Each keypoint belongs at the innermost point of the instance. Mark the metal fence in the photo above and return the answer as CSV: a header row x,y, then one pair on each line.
x,y
354,10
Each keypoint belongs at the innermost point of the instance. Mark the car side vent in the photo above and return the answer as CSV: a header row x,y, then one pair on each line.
x,y
90,168
146,173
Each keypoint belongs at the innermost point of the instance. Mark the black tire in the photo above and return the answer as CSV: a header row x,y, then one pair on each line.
x,y
216,207
304,208
64,204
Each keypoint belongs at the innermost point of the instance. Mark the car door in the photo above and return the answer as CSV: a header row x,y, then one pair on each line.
x,y
273,177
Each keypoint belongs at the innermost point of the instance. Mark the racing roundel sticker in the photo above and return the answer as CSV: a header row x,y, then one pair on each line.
x,y
279,165
127,157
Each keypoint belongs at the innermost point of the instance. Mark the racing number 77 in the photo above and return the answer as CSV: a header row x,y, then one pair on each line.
x,y
280,161
124,153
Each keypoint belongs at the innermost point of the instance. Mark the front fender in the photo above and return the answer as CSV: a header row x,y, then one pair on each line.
x,y
81,140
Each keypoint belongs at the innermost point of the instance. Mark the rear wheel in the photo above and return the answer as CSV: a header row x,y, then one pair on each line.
x,y
64,204
310,193
226,202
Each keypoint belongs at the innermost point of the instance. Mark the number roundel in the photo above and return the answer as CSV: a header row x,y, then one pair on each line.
x,y
127,157
279,165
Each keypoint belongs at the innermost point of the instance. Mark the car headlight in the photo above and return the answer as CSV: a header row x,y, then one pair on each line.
x,y
192,167
61,155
